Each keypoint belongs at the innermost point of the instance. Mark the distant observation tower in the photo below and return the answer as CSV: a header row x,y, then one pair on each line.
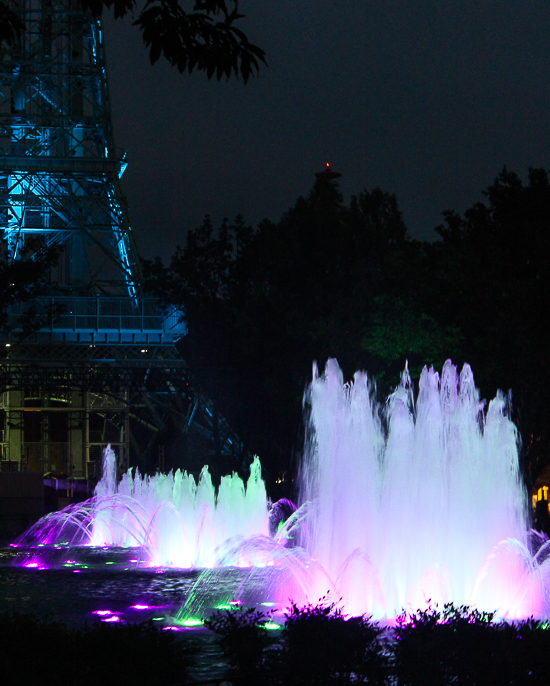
x,y
103,368
328,174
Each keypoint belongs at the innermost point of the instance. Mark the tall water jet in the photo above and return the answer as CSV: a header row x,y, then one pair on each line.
x,y
171,518
180,522
417,502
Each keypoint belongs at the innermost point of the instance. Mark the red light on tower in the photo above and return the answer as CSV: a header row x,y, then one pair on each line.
x,y
328,174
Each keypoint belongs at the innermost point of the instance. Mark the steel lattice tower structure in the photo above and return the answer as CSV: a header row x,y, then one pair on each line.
x,y
103,367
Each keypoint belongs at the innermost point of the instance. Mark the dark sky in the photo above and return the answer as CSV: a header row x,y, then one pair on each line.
x,y
425,98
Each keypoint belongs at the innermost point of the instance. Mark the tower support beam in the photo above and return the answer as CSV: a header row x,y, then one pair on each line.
x,y
103,364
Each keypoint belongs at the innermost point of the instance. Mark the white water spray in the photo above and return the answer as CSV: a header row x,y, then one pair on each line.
x,y
415,503
433,510
179,522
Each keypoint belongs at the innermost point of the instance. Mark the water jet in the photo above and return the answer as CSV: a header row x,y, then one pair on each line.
x,y
403,505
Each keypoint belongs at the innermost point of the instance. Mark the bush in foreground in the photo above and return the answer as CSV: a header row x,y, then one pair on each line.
x,y
41,651
460,645
320,646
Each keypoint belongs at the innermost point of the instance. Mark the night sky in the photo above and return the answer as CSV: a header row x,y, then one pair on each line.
x,y
428,99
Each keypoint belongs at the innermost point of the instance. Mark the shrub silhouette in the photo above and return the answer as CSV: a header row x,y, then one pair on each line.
x,y
320,645
460,645
244,641
41,652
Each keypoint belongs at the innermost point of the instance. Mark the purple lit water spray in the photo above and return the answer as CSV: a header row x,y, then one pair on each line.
x,y
416,502
180,523
173,520
430,508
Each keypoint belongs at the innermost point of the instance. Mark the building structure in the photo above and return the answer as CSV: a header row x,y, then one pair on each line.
x,y
102,364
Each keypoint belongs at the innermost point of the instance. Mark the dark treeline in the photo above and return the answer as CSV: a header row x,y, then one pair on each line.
x,y
21,280
332,279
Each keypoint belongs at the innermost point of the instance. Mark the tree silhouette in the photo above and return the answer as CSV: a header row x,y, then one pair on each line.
x,y
204,38
343,280
493,271
263,304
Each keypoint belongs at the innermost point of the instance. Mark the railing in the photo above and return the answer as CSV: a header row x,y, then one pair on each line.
x,y
66,314
53,165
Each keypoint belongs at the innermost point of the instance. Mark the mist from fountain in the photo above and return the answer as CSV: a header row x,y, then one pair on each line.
x,y
418,502
405,505
180,523
172,519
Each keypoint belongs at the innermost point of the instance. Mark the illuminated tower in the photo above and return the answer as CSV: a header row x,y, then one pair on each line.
x,y
103,366
60,169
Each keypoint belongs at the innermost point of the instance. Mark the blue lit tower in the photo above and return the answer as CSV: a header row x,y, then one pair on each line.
x,y
103,367
60,168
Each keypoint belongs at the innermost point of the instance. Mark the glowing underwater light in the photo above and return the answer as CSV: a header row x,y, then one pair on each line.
x,y
191,622
271,626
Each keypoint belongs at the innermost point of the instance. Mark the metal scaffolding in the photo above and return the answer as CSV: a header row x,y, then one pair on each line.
x,y
103,365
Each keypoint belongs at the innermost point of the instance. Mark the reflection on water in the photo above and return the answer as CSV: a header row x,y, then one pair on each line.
x,y
105,580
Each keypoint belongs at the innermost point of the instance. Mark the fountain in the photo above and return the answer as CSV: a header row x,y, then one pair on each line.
x,y
402,506
421,502
171,519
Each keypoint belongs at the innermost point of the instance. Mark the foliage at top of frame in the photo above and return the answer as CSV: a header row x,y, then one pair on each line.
x,y
203,38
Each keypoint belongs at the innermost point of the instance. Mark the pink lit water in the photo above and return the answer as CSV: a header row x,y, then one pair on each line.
x,y
430,509
415,502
